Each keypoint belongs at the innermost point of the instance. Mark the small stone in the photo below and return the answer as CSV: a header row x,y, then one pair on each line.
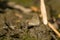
x,y
12,27
34,21
19,15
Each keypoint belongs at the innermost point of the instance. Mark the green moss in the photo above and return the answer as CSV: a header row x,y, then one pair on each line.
x,y
55,4
24,2
27,37
27,3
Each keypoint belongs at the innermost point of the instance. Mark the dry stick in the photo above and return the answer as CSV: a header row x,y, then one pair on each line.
x,y
20,7
54,29
45,21
43,12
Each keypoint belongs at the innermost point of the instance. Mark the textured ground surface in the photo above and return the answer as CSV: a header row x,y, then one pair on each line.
x,y
15,25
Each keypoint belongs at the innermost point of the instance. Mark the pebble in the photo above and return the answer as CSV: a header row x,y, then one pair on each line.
x,y
12,27
34,21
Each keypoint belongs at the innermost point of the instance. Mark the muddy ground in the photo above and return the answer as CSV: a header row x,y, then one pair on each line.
x,y
15,25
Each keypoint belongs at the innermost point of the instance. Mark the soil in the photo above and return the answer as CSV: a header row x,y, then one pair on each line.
x,y
14,26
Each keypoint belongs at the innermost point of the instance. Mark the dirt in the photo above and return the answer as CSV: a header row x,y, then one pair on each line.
x,y
15,27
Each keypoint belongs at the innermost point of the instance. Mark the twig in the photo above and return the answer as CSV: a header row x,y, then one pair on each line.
x,y
14,5
54,29
44,16
43,12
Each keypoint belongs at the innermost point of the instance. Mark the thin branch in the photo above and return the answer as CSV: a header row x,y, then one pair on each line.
x,y
23,9
43,12
54,29
44,16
